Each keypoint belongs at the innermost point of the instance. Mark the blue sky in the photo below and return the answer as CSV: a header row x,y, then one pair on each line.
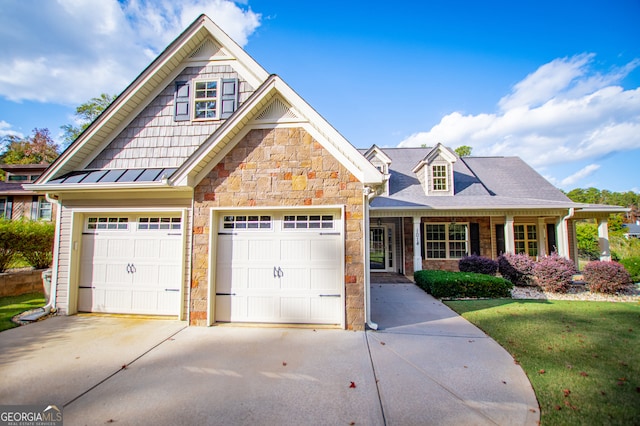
x,y
554,82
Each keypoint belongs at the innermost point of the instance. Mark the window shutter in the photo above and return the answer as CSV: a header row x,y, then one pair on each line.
x,y
34,207
229,97
552,242
500,245
475,238
181,101
422,241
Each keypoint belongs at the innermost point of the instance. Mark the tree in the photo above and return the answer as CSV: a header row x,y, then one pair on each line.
x,y
463,150
85,114
39,148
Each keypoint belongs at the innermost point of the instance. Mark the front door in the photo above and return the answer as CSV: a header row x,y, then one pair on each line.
x,y
381,244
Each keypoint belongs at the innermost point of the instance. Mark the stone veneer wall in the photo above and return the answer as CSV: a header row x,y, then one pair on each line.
x,y
280,167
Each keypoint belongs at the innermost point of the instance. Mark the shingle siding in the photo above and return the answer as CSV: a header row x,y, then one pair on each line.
x,y
154,139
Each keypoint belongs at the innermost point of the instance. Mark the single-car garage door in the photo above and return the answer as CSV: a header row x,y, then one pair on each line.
x,y
280,267
131,265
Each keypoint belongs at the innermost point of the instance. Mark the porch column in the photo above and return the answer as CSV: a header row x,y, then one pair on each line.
x,y
417,252
603,239
509,240
542,237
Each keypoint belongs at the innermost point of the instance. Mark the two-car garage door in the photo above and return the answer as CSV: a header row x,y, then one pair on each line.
x,y
131,264
280,267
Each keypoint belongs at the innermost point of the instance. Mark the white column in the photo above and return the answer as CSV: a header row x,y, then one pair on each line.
x,y
603,239
417,255
542,238
509,240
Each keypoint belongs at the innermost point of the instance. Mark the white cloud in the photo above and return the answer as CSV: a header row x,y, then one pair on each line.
x,y
5,130
563,112
67,51
579,175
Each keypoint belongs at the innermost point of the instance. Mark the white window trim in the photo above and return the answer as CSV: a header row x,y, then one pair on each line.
x,y
467,241
526,239
445,177
195,99
42,200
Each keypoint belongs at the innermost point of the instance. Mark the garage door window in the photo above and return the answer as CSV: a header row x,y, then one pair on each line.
x,y
308,222
107,224
247,222
159,223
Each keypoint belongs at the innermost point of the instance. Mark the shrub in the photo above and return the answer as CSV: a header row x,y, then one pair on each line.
x,y
7,244
605,277
478,264
35,242
554,273
632,265
445,284
517,268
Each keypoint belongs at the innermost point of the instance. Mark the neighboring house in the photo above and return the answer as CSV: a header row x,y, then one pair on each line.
x,y
632,230
17,202
210,191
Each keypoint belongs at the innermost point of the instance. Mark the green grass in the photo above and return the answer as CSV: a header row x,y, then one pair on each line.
x,y
13,305
582,358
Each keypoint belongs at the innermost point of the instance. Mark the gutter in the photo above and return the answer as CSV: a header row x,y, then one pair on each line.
x,y
367,195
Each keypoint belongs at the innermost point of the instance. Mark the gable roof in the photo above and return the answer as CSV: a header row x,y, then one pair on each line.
x,y
200,40
274,103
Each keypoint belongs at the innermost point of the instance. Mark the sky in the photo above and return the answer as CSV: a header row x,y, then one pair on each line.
x,y
556,83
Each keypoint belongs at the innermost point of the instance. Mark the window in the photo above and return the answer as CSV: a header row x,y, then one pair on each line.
x,y
3,208
439,174
308,222
206,100
446,240
44,209
526,239
159,223
212,99
246,222
108,223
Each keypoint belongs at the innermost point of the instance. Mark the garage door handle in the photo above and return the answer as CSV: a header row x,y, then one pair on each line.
x,y
280,272
329,295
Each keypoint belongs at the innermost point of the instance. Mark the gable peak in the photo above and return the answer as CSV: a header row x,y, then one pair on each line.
x,y
208,50
277,110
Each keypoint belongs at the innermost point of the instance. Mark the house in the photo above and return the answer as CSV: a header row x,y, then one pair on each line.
x,y
632,230
210,191
16,201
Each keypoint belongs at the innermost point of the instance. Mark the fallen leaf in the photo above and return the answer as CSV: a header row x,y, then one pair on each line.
x,y
466,366
532,410
541,372
382,343
124,366
352,385
584,374
284,363
504,382
557,407
603,393
566,392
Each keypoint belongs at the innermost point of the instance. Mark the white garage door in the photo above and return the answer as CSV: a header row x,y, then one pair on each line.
x,y
280,268
131,265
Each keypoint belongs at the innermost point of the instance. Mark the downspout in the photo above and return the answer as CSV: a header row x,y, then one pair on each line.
x,y
367,195
565,230
51,303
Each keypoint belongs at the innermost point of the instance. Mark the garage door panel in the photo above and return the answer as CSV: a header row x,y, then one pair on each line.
x,y
325,250
262,308
259,251
115,273
117,248
293,308
324,309
294,279
260,279
325,278
294,250
169,248
145,248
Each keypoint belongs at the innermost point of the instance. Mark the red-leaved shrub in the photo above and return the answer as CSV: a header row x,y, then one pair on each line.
x,y
478,264
606,277
517,268
554,273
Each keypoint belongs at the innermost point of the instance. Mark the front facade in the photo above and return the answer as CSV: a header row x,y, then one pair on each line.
x,y
18,202
211,192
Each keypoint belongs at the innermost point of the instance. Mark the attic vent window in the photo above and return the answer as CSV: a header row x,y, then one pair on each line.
x,y
439,173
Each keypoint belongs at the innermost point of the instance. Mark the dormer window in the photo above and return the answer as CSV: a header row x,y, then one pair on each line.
x,y
381,161
435,171
439,177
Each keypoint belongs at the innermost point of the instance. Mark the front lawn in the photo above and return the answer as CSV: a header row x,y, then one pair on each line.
x,y
582,358
13,305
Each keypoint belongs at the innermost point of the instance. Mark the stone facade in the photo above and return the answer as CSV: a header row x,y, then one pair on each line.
x,y
280,167
21,282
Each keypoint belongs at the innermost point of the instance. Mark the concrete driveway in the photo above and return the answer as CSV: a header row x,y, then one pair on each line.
x,y
425,365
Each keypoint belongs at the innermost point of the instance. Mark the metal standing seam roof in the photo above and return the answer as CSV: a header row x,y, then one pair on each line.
x,y
114,176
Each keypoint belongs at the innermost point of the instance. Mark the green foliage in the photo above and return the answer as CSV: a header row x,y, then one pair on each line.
x,y
86,113
606,277
14,305
463,151
628,199
7,247
38,148
32,241
632,265
587,238
585,348
624,248
445,284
